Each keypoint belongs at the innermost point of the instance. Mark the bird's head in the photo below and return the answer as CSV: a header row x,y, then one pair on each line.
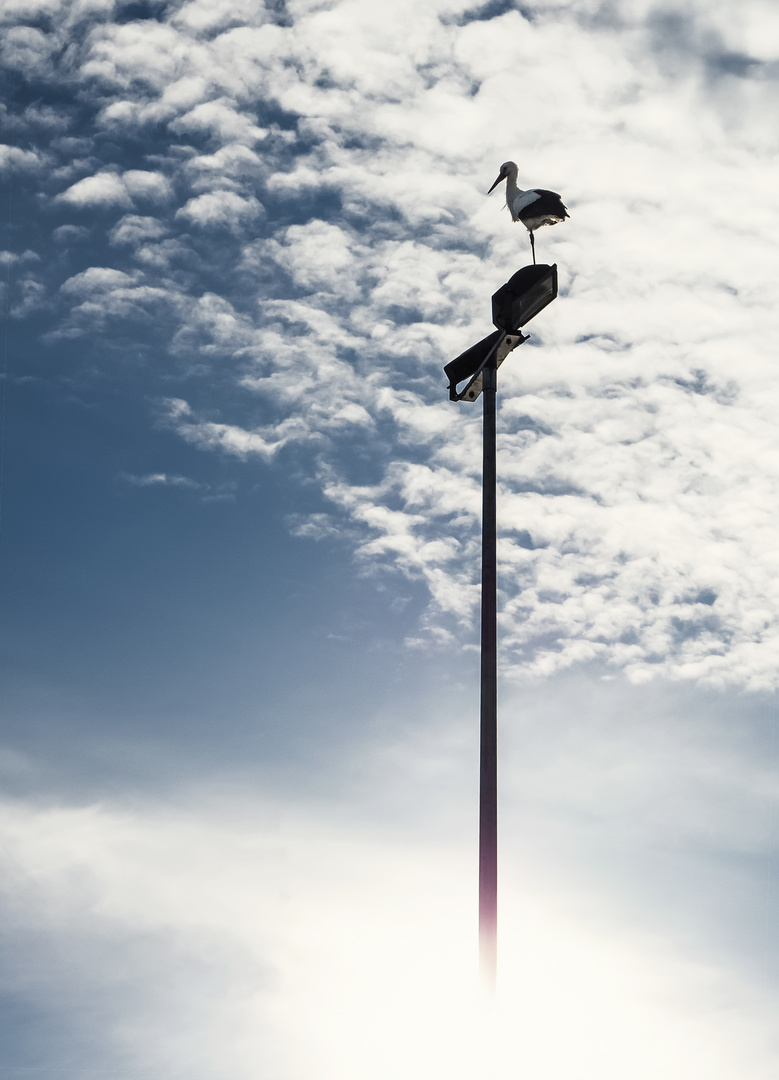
x,y
505,170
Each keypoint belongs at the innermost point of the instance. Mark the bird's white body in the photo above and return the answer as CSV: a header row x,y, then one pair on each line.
x,y
520,203
517,199
534,207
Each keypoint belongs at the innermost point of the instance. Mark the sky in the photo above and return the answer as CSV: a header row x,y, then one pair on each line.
x,y
240,528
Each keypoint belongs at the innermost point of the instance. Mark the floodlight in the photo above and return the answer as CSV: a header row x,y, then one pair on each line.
x,y
513,305
471,363
523,296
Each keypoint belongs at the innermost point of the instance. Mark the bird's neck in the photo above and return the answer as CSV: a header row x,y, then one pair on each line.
x,y
512,188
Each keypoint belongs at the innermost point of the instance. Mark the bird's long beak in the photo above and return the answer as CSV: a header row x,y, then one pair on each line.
x,y
496,183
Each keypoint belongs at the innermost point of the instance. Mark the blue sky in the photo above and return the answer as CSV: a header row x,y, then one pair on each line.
x,y
240,539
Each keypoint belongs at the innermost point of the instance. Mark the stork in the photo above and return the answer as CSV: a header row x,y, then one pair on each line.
x,y
534,208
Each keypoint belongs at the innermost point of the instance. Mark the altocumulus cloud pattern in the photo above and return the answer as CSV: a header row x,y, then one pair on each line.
x,y
239,767
285,206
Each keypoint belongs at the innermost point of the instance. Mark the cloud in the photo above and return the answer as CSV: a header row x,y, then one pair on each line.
x,y
103,189
100,293
148,238
71,234
28,49
160,479
230,438
145,53
98,279
131,229
221,119
107,188
221,209
297,238
14,157
236,919
329,271
233,164
207,16
493,9
11,258
685,39
30,296
209,492
146,185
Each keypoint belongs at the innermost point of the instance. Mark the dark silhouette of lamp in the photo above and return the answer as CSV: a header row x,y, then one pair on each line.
x,y
513,306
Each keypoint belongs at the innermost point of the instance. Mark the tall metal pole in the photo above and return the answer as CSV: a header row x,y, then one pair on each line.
x,y
488,795
517,302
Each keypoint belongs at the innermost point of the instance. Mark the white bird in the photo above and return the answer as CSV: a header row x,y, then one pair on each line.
x,y
534,208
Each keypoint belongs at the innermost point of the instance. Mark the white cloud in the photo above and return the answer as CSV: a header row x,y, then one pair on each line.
x,y
14,157
209,493
132,228
104,188
108,188
221,209
101,293
11,258
28,49
221,119
142,184
98,279
231,438
160,480
71,234
375,251
294,918
639,468
146,52
29,9
208,15
214,327
232,166
639,475
30,296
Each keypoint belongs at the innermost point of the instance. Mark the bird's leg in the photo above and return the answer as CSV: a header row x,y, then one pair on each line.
x,y
533,246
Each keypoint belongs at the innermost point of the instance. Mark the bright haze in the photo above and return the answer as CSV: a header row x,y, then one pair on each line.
x,y
239,549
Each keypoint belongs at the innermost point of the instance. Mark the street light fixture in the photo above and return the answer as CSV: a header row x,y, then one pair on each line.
x,y
513,306
524,295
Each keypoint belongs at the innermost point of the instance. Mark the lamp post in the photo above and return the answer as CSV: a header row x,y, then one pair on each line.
x,y
513,306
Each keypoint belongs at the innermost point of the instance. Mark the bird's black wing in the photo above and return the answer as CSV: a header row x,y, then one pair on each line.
x,y
548,202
